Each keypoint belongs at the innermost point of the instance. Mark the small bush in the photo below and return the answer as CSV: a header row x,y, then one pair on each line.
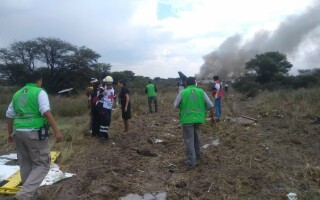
x,y
247,87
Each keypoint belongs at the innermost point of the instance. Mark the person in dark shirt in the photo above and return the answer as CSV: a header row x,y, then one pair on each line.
x,y
124,98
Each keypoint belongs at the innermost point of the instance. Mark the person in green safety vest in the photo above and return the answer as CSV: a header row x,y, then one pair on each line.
x,y
193,103
151,90
29,117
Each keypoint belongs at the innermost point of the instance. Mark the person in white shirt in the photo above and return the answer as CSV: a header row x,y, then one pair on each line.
x,y
28,118
106,108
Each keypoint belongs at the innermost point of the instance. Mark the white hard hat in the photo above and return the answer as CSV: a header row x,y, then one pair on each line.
x,y
108,80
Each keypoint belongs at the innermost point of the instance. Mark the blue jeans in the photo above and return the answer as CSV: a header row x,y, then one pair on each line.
x,y
217,108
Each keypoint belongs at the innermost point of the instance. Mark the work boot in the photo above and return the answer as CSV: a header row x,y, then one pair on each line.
x,y
189,164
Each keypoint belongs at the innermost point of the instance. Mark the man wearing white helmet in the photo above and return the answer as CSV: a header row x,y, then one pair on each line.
x,y
105,112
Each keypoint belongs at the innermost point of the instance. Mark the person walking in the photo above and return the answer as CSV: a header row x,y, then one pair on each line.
x,y
124,98
151,90
217,92
193,103
28,118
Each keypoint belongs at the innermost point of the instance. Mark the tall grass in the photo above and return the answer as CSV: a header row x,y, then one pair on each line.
x,y
6,95
68,106
302,103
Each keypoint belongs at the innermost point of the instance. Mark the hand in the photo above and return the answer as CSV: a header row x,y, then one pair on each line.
x,y
125,109
216,96
58,136
10,139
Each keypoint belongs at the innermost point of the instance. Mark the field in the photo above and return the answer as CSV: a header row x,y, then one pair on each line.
x,y
243,159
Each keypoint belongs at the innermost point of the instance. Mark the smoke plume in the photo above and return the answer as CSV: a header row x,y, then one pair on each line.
x,y
293,36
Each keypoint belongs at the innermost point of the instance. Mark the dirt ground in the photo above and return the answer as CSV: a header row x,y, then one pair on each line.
x,y
263,160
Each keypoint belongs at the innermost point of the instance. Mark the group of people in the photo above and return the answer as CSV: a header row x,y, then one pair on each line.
x,y
29,117
100,102
101,99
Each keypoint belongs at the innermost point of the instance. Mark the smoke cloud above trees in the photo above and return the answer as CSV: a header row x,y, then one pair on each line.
x,y
297,37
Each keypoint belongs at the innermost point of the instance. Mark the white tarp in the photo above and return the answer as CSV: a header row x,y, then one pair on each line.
x,y
54,175
7,170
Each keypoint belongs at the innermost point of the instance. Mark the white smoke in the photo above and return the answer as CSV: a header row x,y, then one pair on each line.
x,y
294,37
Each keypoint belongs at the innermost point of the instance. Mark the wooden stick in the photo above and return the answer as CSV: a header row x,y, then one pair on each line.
x,y
253,119
210,187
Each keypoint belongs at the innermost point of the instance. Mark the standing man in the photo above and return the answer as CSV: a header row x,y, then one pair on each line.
x,y
217,92
124,98
151,90
28,118
92,99
193,103
106,108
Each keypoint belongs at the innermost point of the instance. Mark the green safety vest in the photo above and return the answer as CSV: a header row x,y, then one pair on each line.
x,y
26,107
192,107
151,90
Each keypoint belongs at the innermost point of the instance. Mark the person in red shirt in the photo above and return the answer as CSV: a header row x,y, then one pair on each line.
x,y
217,92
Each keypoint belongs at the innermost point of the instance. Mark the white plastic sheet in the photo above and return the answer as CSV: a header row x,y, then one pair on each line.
x,y
54,175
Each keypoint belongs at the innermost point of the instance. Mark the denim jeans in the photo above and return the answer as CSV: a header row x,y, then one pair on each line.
x,y
155,100
217,108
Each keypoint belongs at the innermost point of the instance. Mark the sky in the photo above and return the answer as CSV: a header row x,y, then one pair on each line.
x,y
158,38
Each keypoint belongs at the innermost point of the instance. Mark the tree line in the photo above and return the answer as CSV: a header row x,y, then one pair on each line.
x,y
62,64
65,65
269,71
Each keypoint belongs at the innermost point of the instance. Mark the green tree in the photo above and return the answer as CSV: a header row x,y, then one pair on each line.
x,y
129,74
54,52
100,70
118,76
26,53
268,66
62,64
10,70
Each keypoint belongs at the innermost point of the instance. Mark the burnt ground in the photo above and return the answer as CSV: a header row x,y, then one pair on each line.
x,y
263,160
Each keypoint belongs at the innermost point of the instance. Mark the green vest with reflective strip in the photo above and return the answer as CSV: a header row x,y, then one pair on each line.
x,y
151,90
26,107
192,107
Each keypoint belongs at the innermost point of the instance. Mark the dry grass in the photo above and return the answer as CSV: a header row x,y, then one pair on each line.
x,y
302,103
278,155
